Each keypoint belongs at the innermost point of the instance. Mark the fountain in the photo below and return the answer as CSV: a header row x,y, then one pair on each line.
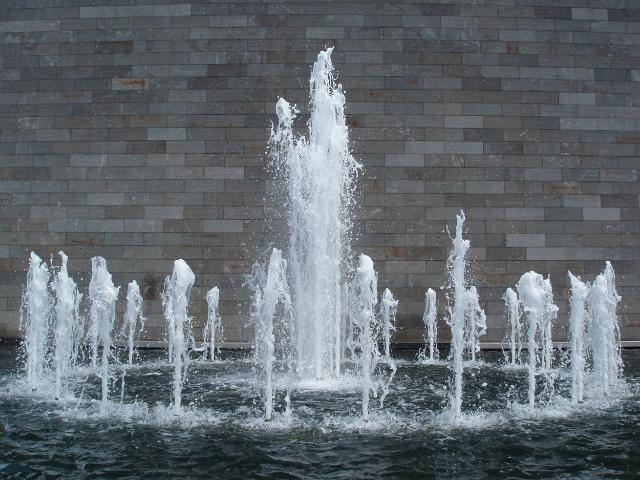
x,y
326,331
513,315
68,326
269,291
603,301
457,312
430,327
550,315
213,328
476,323
320,174
531,292
388,312
133,319
102,314
175,302
35,321
364,294
578,316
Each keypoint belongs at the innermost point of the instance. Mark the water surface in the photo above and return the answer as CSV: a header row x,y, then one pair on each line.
x,y
221,433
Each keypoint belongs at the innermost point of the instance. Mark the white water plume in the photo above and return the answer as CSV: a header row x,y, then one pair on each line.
x,y
430,321
515,335
35,321
531,292
175,300
213,329
68,326
476,322
603,302
103,296
320,175
364,298
457,310
388,312
133,320
578,317
269,291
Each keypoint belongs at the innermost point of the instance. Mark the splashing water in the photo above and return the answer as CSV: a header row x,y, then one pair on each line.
x,y
578,316
102,314
364,295
476,322
213,328
320,174
513,315
603,301
457,312
175,300
133,319
430,321
269,292
35,321
68,326
531,292
549,317
388,312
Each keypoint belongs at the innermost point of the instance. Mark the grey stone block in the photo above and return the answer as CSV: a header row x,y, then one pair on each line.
x,y
138,131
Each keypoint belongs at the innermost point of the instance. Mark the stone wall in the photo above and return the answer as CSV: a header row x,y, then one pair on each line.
x,y
135,129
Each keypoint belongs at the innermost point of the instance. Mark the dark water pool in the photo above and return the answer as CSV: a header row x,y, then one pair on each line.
x,y
221,434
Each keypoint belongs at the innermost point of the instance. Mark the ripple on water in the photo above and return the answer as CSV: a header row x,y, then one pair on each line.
x,y
220,432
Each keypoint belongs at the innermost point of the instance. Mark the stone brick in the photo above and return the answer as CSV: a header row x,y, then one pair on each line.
x,y
138,131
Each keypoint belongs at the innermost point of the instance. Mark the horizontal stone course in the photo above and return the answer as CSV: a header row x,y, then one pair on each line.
x,y
137,130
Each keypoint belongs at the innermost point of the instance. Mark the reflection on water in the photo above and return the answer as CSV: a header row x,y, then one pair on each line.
x,y
222,434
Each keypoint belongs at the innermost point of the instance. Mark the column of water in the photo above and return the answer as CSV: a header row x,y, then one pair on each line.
x,y
68,327
35,321
177,290
430,324
133,320
457,309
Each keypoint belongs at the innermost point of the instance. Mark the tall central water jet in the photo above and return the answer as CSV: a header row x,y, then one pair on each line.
x,y
320,175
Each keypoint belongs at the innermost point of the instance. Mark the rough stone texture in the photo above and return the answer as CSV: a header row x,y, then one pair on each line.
x,y
134,129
